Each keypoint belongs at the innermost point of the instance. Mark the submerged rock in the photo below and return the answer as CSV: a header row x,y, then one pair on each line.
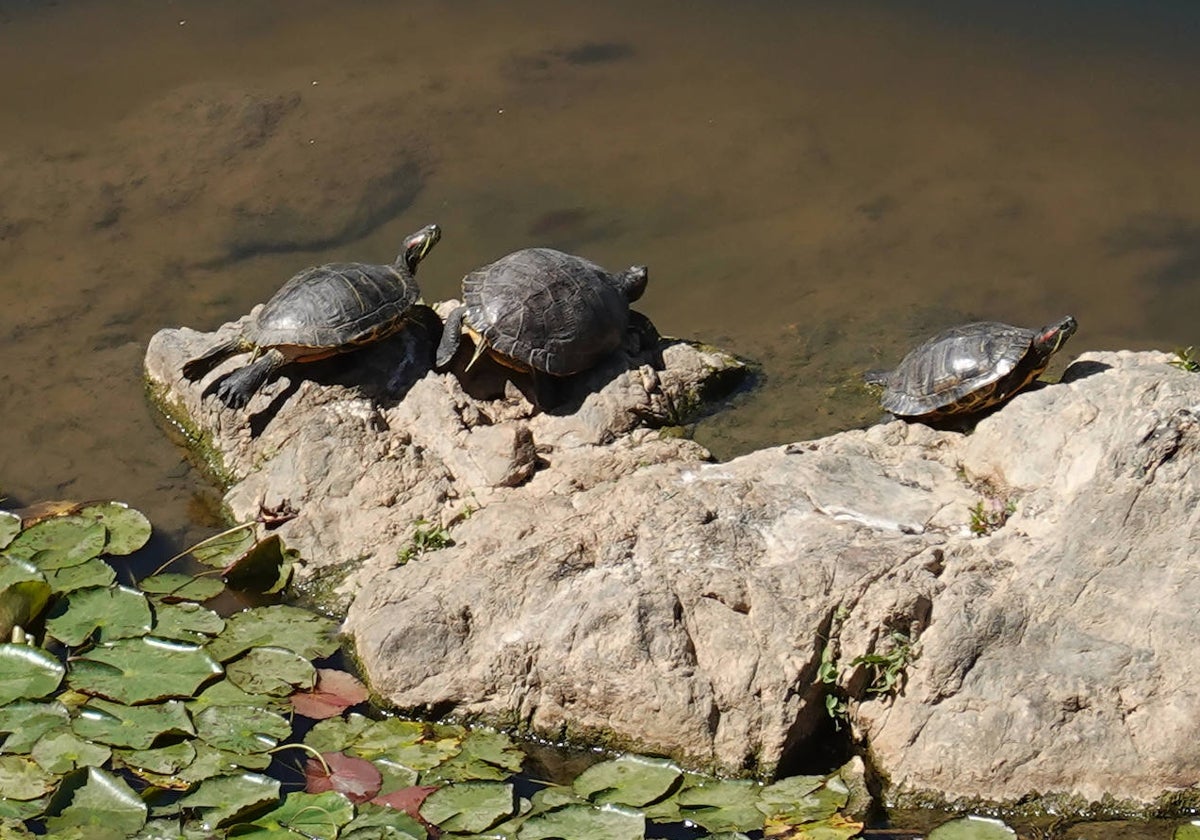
x,y
997,614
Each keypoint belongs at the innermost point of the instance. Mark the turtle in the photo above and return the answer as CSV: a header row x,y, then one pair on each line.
x,y
539,309
321,311
968,368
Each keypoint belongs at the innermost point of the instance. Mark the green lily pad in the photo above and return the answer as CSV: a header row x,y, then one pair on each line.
x,y
171,586
221,550
836,827
59,542
265,567
27,673
225,693
972,828
18,810
375,822
801,799
311,815
224,799
135,727
407,743
308,634
243,729
27,721
22,779
89,573
337,734
271,670
209,763
469,807
628,780
186,622
128,529
24,593
607,823
164,761
103,808
170,829
64,751
141,670
721,805
1187,831
10,526
115,612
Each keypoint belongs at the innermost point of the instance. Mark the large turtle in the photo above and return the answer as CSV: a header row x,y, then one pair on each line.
x,y
542,310
969,368
322,311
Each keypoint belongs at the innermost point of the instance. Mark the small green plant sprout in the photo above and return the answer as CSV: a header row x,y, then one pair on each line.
x,y
889,667
426,536
1185,359
987,515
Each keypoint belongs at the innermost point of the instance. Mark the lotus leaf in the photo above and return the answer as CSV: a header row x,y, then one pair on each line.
x,y
722,805
242,729
89,573
26,721
165,761
10,526
135,727
223,799
104,808
128,529
27,672
24,593
23,779
628,780
271,670
60,542
142,670
469,806
117,612
178,587
973,828
64,751
306,633
186,622
607,823
310,815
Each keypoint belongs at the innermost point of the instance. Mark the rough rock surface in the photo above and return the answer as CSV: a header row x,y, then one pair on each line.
x,y
1043,567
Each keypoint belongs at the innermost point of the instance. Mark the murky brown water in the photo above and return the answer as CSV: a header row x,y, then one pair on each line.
x,y
815,185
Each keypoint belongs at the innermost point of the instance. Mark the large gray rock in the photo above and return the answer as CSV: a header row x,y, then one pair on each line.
x,y
995,614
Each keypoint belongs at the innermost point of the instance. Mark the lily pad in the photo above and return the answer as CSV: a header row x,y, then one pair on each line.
x,y
264,567
470,807
186,622
628,780
608,823
135,727
164,761
375,822
89,573
1187,831
801,799
103,808
64,751
27,721
242,729
319,816
114,612
27,673
22,779
334,692
24,593
140,670
221,550
308,634
405,742
722,805
171,586
10,526
271,670
224,799
337,734
59,542
209,763
973,828
355,778
225,693
128,529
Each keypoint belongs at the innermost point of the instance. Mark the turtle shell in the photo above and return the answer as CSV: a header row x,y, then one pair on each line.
x,y
965,369
335,306
547,310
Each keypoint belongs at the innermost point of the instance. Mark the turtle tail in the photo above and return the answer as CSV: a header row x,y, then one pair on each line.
x,y
237,388
199,366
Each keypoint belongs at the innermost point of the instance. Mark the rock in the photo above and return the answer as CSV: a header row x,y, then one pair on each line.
x,y
1000,616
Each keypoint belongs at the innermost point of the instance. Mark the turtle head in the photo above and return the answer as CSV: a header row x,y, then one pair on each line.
x,y
632,282
417,245
1052,337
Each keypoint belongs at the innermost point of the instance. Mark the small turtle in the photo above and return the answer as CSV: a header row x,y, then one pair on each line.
x,y
542,310
969,368
322,311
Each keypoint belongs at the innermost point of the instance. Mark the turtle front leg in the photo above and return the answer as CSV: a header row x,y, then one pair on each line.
x,y
236,389
451,338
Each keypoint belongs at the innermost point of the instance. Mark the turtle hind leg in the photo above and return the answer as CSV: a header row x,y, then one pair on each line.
x,y
451,337
199,366
236,389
